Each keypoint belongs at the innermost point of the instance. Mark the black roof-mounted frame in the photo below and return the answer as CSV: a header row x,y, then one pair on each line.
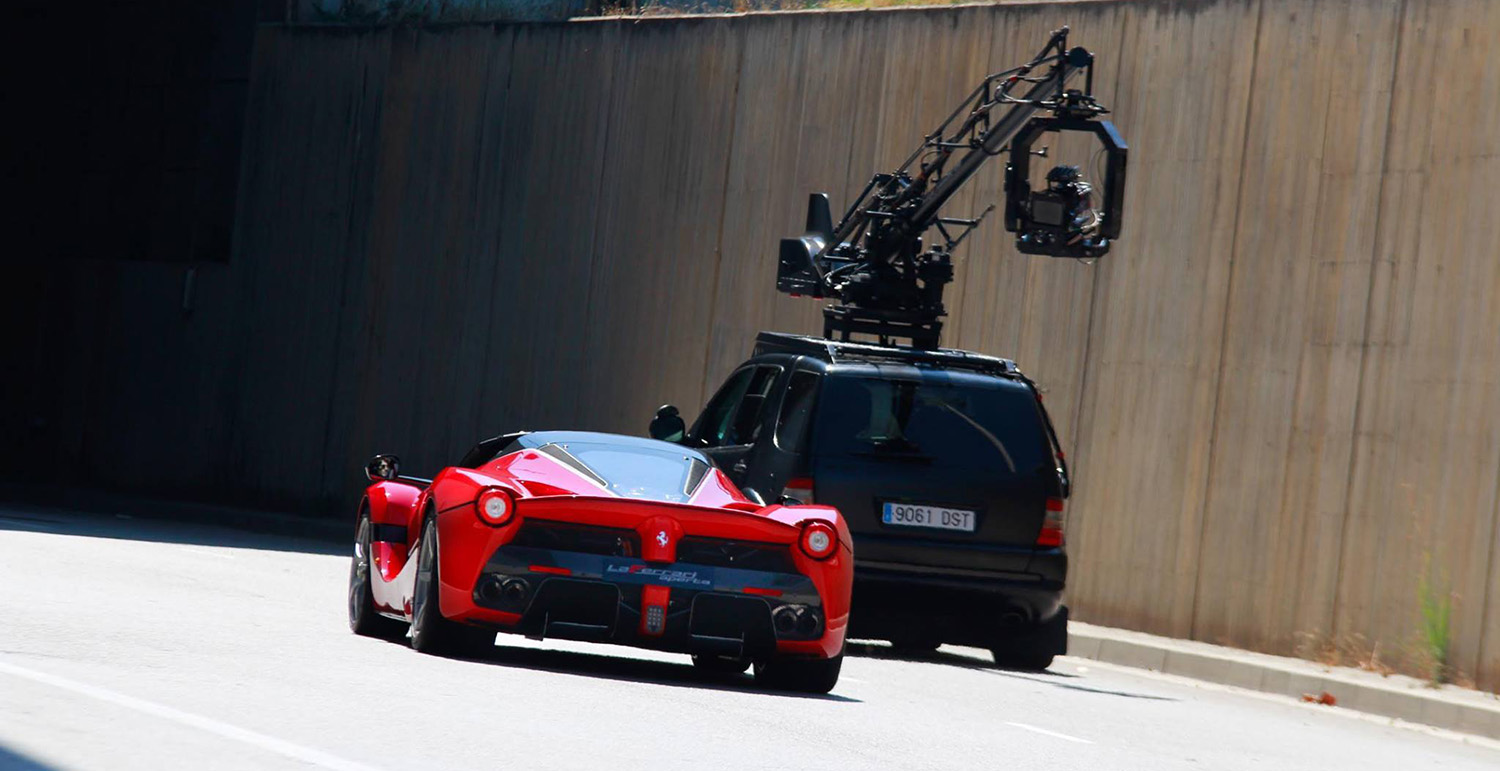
x,y
841,351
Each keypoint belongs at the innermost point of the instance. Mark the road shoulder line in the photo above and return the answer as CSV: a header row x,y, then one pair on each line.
x,y
1046,732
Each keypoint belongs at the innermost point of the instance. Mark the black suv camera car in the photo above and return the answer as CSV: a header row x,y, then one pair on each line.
x,y
943,462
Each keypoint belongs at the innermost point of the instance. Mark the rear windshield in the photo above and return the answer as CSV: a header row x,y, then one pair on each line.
x,y
981,425
637,472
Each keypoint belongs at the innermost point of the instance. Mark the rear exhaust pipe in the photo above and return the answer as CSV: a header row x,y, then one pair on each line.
x,y
785,620
491,590
515,591
808,623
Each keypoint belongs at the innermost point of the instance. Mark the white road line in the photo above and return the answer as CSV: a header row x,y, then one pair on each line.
x,y
294,751
1052,734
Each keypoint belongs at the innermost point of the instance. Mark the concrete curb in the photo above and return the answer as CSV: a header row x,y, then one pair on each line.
x,y
1396,696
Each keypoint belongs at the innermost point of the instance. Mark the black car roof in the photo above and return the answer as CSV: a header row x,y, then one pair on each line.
x,y
924,373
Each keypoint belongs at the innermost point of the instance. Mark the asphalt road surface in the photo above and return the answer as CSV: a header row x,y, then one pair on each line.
x,y
133,644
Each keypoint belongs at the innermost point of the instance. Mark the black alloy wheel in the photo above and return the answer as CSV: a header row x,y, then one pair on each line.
x,y
430,631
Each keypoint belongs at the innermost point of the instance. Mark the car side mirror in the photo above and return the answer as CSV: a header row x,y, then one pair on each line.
x,y
667,425
754,495
382,467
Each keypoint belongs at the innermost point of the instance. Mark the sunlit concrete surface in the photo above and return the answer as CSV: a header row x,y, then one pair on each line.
x,y
135,644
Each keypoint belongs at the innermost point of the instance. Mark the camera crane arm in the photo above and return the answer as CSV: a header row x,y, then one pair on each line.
x,y
873,261
912,208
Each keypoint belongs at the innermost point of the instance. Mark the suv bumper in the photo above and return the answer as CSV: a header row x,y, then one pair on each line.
x,y
894,601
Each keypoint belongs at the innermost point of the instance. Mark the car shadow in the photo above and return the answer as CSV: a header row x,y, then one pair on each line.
x,y
875,650
632,670
1045,679
949,658
11,760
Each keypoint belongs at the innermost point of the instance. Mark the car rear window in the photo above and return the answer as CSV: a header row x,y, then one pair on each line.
x,y
981,425
637,472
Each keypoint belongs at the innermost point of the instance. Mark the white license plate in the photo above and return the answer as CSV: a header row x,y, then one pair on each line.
x,y
918,515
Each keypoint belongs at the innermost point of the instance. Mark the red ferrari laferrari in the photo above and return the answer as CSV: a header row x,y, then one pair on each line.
x,y
605,538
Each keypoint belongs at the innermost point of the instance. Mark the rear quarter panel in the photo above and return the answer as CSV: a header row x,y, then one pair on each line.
x,y
392,503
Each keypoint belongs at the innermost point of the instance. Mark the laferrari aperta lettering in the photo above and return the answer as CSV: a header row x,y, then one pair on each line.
x,y
604,538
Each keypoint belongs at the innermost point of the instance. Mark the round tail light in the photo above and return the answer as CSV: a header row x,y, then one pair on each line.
x,y
819,540
495,506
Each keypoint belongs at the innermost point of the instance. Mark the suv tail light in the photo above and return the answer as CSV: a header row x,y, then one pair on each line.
x,y
800,488
1051,536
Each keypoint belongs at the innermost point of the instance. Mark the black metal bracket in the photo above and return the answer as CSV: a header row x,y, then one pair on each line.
x,y
923,330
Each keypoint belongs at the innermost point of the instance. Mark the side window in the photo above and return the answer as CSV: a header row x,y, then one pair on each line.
x,y
745,428
713,425
796,410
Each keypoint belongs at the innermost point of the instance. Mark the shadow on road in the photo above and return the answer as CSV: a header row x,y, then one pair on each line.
x,y
1048,677
10,760
872,650
634,670
20,517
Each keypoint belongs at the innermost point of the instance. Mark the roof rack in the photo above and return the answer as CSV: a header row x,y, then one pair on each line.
x,y
847,351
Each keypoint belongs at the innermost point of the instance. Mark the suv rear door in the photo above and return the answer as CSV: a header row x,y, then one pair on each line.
x,y
934,467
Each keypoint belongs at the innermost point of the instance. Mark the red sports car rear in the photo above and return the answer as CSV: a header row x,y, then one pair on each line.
x,y
603,538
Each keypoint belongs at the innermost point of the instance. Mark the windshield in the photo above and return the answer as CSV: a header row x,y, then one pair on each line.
x,y
636,472
982,425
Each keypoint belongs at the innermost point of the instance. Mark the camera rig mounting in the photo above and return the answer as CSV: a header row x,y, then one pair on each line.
x,y
873,261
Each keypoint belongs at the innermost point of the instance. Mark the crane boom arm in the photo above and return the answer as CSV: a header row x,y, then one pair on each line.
x,y
874,262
